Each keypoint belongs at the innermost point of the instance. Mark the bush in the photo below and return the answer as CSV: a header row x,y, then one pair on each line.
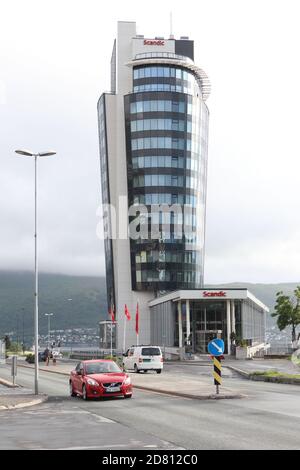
x,y
30,358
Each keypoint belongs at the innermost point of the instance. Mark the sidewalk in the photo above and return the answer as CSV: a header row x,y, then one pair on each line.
x,y
167,383
251,369
14,397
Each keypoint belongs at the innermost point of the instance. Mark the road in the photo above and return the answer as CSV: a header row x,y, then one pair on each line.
x,y
268,419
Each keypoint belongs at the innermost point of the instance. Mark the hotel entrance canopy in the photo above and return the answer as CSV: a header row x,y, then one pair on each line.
x,y
191,317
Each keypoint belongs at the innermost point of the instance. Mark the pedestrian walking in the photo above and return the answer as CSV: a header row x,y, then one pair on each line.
x,y
47,356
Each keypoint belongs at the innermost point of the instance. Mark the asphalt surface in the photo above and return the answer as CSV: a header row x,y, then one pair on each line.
x,y
268,419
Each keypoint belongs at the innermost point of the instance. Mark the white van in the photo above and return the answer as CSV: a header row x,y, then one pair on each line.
x,y
143,358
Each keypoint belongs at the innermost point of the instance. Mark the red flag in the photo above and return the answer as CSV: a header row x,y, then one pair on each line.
x,y
127,314
111,313
137,319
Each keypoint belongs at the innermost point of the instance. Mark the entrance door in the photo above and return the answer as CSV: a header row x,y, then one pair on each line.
x,y
202,338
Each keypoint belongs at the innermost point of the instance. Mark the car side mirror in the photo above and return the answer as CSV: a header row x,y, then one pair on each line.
x,y
124,355
80,372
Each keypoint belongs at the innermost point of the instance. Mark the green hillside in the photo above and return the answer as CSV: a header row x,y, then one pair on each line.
x,y
87,307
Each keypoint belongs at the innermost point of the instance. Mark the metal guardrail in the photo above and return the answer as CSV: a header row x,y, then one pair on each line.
x,y
96,354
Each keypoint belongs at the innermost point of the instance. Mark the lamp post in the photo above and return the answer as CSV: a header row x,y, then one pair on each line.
x,y
70,300
27,153
49,315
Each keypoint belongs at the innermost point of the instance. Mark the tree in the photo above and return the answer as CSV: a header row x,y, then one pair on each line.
x,y
287,311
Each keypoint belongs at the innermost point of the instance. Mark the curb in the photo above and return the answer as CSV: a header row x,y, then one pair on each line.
x,y
261,378
6,383
37,401
240,371
45,370
187,395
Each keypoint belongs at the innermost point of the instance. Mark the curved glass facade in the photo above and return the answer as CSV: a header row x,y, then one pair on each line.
x,y
166,146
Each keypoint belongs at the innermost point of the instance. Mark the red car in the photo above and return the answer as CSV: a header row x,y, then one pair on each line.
x,y
99,378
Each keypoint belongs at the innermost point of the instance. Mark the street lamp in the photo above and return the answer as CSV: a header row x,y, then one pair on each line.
x,y
49,315
70,300
27,153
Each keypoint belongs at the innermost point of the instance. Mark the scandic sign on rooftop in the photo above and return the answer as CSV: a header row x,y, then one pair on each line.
x,y
220,293
153,42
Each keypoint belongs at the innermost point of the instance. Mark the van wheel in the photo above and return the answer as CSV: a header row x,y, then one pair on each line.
x,y
136,370
158,371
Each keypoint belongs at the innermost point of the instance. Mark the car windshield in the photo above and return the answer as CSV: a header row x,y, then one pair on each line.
x,y
151,352
101,368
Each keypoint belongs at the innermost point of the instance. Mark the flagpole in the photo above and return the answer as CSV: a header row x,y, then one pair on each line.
x,y
124,337
137,313
111,342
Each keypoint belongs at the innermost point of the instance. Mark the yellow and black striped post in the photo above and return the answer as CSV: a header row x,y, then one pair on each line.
x,y
217,372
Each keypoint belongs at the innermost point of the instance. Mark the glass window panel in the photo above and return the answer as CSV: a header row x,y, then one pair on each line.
x,y
154,180
133,126
174,162
168,106
168,161
139,106
147,72
147,106
147,143
147,162
160,71
161,180
167,180
154,161
160,105
178,73
153,71
154,124
133,108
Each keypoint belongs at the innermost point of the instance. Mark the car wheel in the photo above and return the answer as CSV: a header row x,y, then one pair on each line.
x,y
84,393
72,393
158,371
136,370
127,396
145,371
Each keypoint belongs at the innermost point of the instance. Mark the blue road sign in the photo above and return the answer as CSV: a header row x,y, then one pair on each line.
x,y
216,347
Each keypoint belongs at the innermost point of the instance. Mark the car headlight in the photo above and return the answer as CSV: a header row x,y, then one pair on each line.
x,y
127,381
92,382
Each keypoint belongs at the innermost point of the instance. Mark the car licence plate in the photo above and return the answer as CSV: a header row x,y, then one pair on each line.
x,y
112,389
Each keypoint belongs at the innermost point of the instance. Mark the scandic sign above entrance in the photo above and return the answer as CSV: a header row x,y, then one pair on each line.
x,y
153,42
220,293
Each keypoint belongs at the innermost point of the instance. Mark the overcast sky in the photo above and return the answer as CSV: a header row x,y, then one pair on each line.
x,y
54,64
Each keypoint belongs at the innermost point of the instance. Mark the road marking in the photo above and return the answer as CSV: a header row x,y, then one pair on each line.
x,y
101,419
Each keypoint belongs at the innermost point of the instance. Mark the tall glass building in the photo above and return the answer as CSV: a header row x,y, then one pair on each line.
x,y
153,131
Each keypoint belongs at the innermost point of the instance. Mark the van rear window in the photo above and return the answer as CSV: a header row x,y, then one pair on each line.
x,y
151,352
